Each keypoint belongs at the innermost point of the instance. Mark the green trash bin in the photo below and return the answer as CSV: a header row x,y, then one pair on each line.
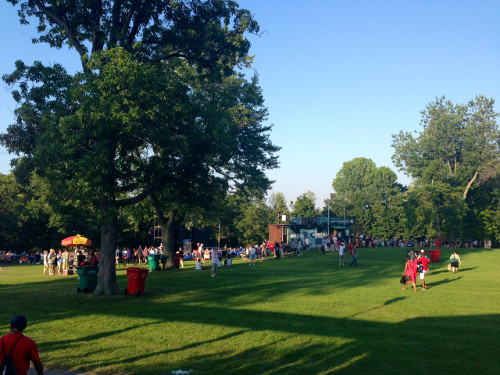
x,y
88,278
154,262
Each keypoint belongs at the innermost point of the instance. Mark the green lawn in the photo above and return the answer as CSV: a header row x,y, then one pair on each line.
x,y
299,315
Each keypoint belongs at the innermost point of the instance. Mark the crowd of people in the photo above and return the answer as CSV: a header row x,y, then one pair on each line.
x,y
415,263
56,262
418,263
423,241
135,256
53,261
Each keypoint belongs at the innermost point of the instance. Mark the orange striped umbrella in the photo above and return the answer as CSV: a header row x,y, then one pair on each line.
x,y
76,240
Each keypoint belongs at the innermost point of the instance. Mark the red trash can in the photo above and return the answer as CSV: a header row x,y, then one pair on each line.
x,y
136,281
435,255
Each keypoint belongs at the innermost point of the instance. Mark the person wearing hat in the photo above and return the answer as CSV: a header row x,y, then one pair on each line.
x,y
21,348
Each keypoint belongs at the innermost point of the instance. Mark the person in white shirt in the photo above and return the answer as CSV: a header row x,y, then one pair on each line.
x,y
198,266
341,254
215,261
253,255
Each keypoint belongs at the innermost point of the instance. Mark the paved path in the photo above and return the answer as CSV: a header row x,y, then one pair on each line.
x,y
49,371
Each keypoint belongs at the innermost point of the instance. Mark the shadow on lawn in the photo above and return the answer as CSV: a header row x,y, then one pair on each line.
x,y
337,345
327,345
324,345
446,270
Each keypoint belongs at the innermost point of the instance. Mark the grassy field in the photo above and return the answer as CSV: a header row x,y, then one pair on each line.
x,y
298,315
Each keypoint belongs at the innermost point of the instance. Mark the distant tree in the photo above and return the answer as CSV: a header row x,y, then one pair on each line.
x,y
10,207
459,145
364,188
483,216
28,220
305,205
278,206
336,204
252,222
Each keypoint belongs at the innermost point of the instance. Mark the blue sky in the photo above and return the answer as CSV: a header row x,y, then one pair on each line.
x,y
339,77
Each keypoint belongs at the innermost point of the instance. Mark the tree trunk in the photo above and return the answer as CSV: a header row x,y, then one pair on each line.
x,y
168,238
107,268
466,191
438,225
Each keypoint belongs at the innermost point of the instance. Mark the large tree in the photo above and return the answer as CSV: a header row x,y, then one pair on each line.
x,y
459,145
458,150
142,109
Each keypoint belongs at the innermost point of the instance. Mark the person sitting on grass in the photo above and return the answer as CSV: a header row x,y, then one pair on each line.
x,y
198,266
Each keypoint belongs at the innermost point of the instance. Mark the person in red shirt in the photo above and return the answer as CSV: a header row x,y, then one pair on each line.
x,y
425,267
25,350
411,272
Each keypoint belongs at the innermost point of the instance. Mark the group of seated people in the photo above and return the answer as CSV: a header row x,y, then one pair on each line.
x,y
7,257
205,255
224,258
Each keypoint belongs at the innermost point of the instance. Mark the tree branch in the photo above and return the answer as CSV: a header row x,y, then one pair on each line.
x,y
137,22
466,191
115,23
450,168
161,178
63,22
96,22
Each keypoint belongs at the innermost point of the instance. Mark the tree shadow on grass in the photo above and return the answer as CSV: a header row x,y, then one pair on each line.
x,y
279,342
142,355
60,344
446,271
442,282
345,345
325,345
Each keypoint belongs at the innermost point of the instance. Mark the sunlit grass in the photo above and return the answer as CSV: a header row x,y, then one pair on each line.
x,y
299,315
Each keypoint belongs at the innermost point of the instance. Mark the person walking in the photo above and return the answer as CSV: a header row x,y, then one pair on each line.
x,y
45,261
252,254
422,268
22,349
52,261
215,260
354,255
277,253
65,257
181,260
410,272
341,254
455,258
412,255
59,262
